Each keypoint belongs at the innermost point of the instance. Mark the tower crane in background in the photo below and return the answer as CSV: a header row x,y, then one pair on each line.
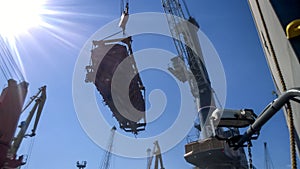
x,y
268,161
156,153
105,164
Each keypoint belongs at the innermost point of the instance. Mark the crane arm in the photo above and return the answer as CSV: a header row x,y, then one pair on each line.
x,y
189,65
39,99
41,103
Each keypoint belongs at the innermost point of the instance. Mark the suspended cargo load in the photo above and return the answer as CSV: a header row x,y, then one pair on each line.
x,y
106,58
11,103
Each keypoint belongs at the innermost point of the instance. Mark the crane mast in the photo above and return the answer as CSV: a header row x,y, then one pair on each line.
x,y
189,65
268,160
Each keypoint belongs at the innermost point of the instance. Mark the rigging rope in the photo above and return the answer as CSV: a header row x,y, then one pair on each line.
x,y
186,8
4,68
8,65
122,5
30,151
3,65
288,108
112,35
3,72
217,98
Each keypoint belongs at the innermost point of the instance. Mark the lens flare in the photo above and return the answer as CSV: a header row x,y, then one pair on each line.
x,y
18,16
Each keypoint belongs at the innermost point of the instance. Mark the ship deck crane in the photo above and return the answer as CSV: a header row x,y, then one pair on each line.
x,y
39,99
11,102
36,110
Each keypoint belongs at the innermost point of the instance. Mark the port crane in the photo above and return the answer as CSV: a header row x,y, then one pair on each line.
x,y
189,66
213,150
276,57
105,164
268,161
11,102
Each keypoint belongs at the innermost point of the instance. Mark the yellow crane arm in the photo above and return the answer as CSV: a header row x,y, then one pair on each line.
x,y
39,99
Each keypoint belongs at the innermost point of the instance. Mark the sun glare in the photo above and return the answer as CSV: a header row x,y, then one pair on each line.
x,y
18,16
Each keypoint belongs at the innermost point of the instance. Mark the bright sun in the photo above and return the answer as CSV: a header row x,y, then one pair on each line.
x,y
18,16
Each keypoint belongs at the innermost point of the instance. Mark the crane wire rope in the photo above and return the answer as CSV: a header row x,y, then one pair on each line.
x,y
112,35
4,66
186,8
15,68
217,98
7,54
3,72
288,107
109,36
9,67
122,5
32,141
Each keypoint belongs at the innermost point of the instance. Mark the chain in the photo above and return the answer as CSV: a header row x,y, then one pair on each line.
x,y
249,145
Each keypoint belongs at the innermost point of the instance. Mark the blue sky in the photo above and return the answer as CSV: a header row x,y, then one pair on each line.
x,y
49,55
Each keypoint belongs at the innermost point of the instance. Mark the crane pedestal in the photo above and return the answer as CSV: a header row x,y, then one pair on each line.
x,y
212,153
